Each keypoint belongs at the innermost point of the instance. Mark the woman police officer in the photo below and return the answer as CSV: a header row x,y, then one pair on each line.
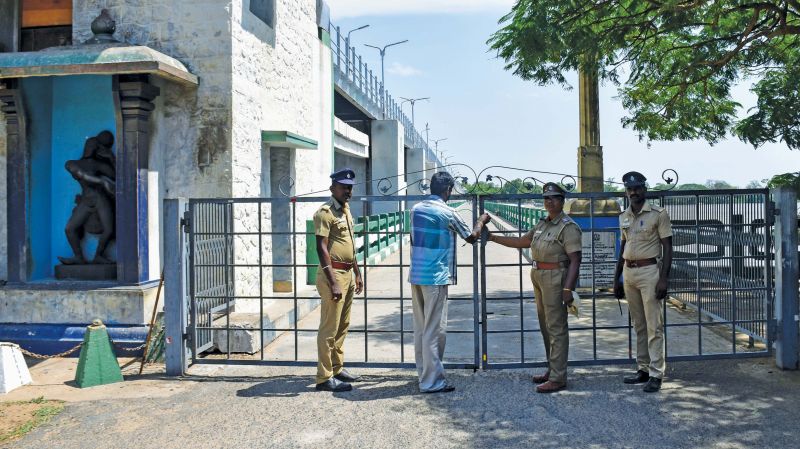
x,y
555,244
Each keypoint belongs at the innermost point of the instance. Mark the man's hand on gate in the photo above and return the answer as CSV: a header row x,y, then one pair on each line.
x,y
619,291
485,218
336,292
661,288
359,284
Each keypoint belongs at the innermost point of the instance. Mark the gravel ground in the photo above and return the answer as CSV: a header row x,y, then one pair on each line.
x,y
710,404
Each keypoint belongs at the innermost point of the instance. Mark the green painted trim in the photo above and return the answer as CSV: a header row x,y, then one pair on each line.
x,y
288,139
325,37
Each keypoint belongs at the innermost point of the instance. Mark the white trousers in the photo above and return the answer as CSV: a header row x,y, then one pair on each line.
x,y
430,334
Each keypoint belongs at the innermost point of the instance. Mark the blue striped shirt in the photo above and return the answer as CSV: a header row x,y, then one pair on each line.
x,y
433,242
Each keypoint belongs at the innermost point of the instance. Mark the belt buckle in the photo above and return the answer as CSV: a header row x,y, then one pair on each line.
x,y
633,264
535,265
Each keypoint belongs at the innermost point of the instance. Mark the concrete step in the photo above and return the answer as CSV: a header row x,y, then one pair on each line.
x,y
244,327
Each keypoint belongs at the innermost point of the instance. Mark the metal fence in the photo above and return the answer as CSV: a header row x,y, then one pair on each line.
x,y
721,291
381,333
721,284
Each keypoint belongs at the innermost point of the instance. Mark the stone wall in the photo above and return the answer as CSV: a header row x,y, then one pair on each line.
x,y
191,141
3,196
281,81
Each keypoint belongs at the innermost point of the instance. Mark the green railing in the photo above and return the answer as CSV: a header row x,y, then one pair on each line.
x,y
373,234
524,217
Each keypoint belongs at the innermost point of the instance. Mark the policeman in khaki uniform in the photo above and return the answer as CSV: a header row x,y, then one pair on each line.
x,y
338,278
555,244
644,263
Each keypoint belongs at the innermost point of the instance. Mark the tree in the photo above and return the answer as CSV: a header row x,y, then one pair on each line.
x,y
674,61
754,184
611,186
718,184
691,186
790,180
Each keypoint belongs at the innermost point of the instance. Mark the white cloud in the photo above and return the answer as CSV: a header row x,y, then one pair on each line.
x,y
356,8
403,70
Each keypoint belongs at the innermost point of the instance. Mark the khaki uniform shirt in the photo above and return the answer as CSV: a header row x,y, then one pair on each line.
x,y
642,233
552,240
334,221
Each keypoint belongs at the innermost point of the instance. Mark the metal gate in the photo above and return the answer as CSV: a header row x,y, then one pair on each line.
x,y
245,252
720,301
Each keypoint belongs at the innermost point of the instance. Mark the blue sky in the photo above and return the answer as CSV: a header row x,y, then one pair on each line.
x,y
490,117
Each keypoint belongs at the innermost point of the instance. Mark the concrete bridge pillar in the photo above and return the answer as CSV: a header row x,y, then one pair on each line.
x,y
416,170
386,163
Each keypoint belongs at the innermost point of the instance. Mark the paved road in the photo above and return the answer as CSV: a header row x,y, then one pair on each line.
x,y
712,404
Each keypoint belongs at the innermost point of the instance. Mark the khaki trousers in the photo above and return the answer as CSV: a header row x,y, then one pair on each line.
x,y
547,288
647,316
334,322
430,334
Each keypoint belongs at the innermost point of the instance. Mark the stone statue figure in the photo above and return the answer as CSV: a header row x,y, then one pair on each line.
x,y
95,171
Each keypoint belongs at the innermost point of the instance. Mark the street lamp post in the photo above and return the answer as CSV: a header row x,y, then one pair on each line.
x,y
383,73
347,48
413,101
427,136
436,145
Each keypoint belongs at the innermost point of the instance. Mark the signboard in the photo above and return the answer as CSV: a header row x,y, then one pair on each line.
x,y
605,259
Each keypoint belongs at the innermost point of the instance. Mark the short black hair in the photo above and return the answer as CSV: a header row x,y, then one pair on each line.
x,y
440,182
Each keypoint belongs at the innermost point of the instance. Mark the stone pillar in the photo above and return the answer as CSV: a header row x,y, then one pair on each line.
x,y
136,96
281,164
17,182
590,153
386,163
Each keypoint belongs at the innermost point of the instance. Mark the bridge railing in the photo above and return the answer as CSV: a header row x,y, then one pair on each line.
x,y
350,67
374,234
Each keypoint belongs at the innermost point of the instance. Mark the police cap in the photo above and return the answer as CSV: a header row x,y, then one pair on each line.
x,y
633,179
552,189
344,176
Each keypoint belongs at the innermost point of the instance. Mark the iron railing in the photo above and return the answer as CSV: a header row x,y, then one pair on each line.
x,y
357,80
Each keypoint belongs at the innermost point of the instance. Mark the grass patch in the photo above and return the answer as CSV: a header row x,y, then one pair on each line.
x,y
19,418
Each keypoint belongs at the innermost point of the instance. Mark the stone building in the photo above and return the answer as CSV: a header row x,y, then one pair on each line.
x,y
204,98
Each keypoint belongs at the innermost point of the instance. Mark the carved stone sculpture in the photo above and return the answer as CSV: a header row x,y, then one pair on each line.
x,y
95,171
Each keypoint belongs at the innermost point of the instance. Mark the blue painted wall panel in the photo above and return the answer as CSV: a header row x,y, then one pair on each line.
x,y
38,94
62,113
82,107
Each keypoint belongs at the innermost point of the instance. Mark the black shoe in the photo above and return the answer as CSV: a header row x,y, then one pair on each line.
x,y
639,378
446,389
334,385
345,376
653,385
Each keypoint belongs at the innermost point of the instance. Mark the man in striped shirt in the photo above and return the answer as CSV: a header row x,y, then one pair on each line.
x,y
434,226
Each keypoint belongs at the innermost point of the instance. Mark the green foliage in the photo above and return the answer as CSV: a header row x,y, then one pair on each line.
x,y
611,186
754,184
674,61
691,186
790,180
47,409
717,184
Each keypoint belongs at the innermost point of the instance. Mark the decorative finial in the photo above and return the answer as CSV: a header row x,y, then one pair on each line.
x,y
103,28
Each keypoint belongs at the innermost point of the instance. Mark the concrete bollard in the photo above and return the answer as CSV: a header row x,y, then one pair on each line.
x,y
13,370
97,365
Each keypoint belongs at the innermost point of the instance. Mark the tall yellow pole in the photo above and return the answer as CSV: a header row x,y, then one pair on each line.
x,y
590,153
